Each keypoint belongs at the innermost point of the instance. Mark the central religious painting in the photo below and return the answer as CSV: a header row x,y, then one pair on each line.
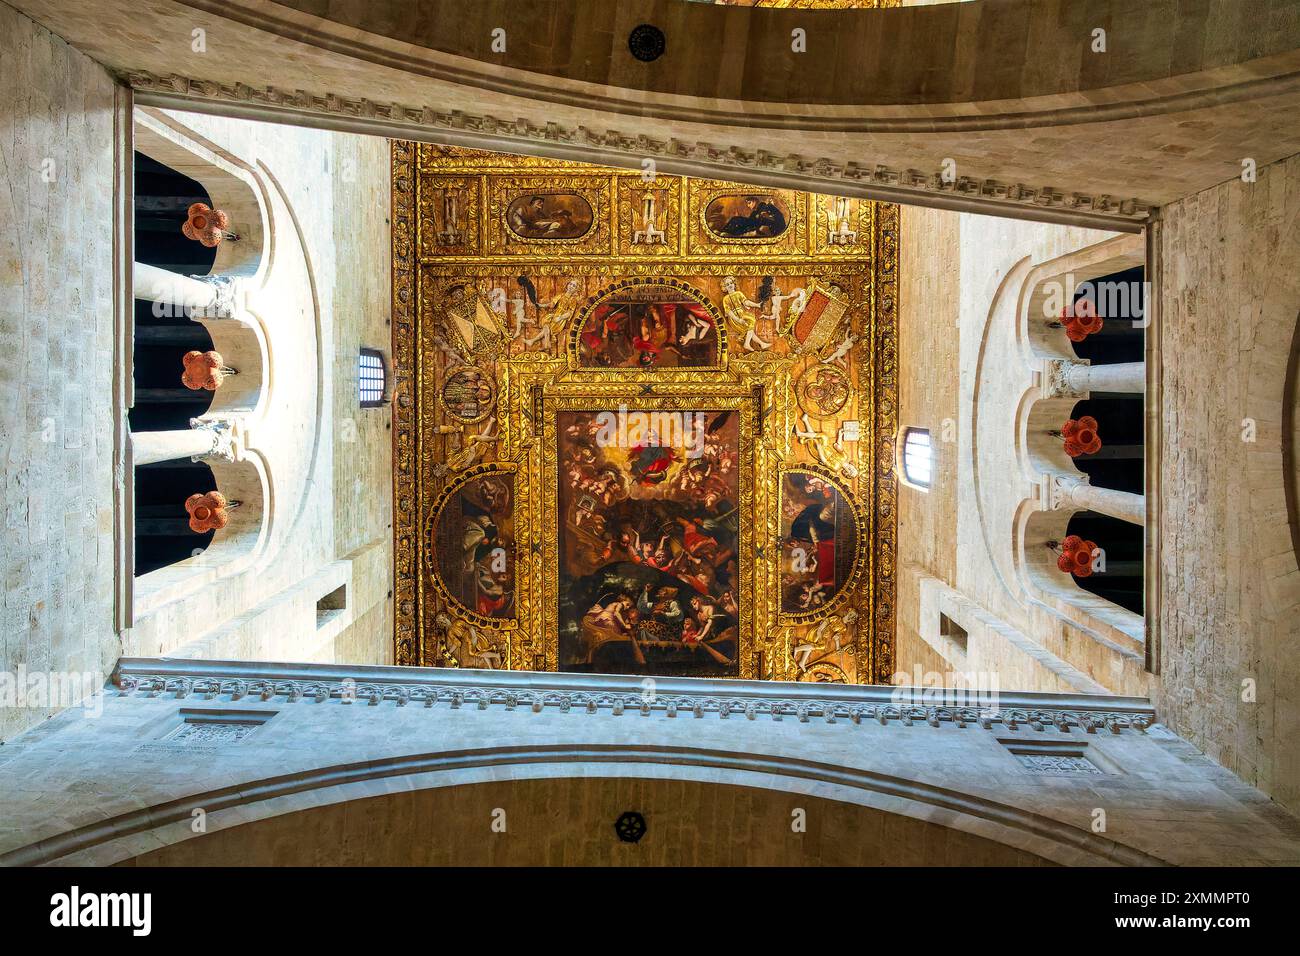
x,y
650,559
643,424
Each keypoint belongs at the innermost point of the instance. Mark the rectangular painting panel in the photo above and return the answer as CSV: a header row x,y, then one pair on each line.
x,y
649,559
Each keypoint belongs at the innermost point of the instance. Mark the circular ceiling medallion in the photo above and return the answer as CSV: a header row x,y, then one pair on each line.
x,y
822,390
630,827
468,394
646,42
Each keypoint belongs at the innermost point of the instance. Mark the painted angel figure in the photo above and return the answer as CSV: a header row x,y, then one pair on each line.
x,y
798,299
469,646
736,306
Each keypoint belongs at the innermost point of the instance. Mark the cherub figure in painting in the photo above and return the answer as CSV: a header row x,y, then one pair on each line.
x,y
553,316
472,446
821,448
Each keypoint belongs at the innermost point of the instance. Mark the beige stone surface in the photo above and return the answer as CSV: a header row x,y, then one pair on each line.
x,y
964,372
56,331
1183,96
1230,585
327,503
329,462
1162,800
570,822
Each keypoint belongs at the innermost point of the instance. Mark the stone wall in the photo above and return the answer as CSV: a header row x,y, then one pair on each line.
x,y
570,822
1004,88
1230,585
329,461
57,444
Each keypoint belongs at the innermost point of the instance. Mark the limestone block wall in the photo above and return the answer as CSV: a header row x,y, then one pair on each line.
x,y
963,371
1230,585
570,822
329,488
57,442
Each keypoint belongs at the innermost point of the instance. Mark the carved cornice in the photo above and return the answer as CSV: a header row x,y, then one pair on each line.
x,y
613,695
616,148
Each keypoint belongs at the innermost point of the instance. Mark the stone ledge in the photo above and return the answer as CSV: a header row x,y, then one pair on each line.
x,y
615,694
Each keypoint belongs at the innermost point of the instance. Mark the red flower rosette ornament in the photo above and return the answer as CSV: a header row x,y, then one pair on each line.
x,y
1081,436
1076,556
205,225
207,512
203,370
1081,320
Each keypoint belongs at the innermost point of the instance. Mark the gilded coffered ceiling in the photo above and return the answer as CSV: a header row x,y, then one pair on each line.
x,y
644,424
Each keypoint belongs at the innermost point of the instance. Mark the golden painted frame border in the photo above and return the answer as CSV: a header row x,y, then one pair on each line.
x,y
877,378
596,190
861,527
701,241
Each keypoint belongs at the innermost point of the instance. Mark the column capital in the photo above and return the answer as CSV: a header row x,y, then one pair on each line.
x,y
1065,378
226,436
1060,490
227,301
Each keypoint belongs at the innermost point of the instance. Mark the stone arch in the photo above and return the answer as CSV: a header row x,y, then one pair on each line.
x,y
239,334
1273,476
1054,281
232,184
119,839
1036,521
234,549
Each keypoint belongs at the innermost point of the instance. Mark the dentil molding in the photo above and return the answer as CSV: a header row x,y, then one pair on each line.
x,y
583,143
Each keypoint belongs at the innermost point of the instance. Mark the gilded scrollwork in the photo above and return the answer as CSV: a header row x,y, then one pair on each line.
x,y
488,349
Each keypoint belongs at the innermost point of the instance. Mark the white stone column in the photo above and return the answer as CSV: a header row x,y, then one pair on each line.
x,y
1065,378
202,297
1123,377
1070,492
206,438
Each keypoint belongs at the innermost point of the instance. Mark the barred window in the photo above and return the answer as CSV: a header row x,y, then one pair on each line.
x,y
370,378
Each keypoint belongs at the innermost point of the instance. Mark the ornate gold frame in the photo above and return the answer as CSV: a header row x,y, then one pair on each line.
x,y
532,387
861,557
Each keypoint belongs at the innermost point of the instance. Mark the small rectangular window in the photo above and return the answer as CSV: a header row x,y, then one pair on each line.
x,y
918,457
370,378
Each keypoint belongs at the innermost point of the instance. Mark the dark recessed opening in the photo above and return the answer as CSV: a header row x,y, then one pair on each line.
x,y
951,629
331,605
